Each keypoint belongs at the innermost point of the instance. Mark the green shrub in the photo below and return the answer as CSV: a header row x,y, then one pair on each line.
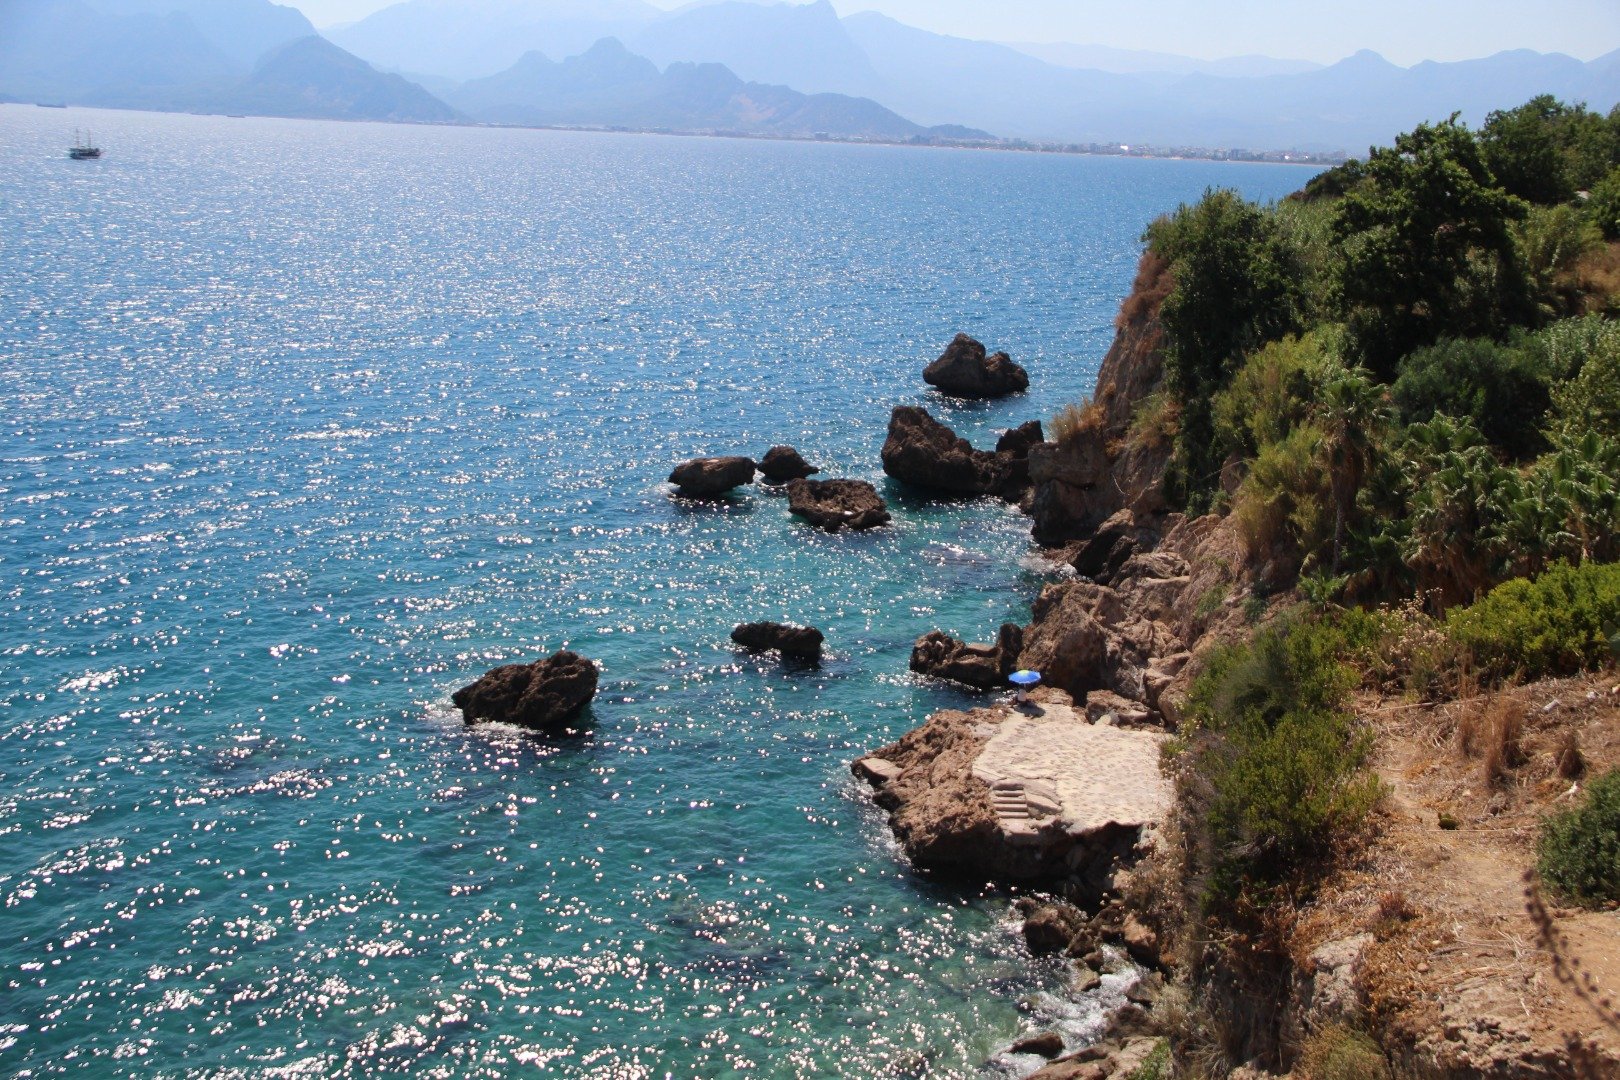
x,y
1579,852
1284,507
1553,625
1273,393
1590,399
1279,753
1339,1053
1497,387
1604,205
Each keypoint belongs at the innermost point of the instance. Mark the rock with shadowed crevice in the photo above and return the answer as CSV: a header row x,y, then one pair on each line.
x,y
544,695
964,370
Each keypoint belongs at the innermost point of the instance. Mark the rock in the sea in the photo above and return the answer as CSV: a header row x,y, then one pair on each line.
x,y
704,478
836,505
1048,928
1034,799
544,695
783,463
1046,1044
985,667
964,370
798,641
925,453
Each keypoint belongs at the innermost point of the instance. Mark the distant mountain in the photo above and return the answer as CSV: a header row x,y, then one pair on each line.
x,y
1140,62
609,86
311,77
802,46
243,30
465,39
188,55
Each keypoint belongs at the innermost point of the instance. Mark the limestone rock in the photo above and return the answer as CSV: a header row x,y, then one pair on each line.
x,y
924,453
799,641
783,463
705,478
1032,798
1118,464
544,695
1085,637
984,667
835,505
876,771
964,370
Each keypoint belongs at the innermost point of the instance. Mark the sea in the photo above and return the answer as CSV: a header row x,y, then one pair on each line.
x,y
305,425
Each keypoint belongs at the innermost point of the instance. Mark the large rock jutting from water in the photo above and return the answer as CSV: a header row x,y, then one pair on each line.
x,y
924,453
783,463
803,642
835,505
984,667
964,370
544,695
705,478
1036,797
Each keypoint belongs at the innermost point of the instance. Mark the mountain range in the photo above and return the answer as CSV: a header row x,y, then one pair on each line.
x,y
735,65
1066,93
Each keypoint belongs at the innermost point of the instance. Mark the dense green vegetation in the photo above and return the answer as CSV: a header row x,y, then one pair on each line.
x,y
1411,364
1275,748
1562,622
1579,853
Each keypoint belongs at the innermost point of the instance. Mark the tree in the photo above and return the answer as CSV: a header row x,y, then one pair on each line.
x,y
1524,150
1350,413
1498,387
1237,287
1428,249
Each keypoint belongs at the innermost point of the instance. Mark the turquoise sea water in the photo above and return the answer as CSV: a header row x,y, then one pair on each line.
x,y
307,425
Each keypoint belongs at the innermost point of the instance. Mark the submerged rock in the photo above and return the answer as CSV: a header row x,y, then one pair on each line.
x,y
985,667
544,695
783,463
836,505
704,478
799,641
964,370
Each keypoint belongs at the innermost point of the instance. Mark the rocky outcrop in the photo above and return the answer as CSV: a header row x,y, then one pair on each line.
x,y
803,642
964,370
984,667
705,478
783,463
1089,637
924,453
1117,463
1101,555
1036,797
544,695
836,505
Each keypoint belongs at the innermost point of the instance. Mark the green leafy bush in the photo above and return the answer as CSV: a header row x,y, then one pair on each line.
x,y
1497,387
1579,852
1590,399
1553,625
1279,752
1604,205
1272,393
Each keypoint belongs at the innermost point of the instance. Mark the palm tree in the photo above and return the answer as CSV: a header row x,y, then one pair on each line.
x,y
1351,412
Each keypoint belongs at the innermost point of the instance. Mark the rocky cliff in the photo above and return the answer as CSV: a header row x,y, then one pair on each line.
x,y
1115,460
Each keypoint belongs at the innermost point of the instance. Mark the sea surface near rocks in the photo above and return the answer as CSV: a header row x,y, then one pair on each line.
x,y
308,425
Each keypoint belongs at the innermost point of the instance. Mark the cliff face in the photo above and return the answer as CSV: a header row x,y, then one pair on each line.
x,y
1117,460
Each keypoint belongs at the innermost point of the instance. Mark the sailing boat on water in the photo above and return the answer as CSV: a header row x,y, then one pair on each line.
x,y
84,148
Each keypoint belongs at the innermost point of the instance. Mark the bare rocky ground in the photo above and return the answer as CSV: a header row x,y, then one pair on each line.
x,y
1455,974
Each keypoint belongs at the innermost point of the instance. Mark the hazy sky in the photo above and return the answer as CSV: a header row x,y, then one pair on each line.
x,y
1405,31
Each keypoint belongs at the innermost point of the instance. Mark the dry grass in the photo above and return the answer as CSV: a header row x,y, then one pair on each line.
x,y
1074,421
1492,731
1148,292
1596,277
1567,757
